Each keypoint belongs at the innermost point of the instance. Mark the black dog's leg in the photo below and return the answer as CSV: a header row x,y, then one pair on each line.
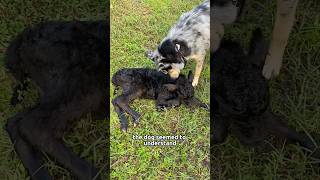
x,y
30,157
42,128
121,115
220,129
274,124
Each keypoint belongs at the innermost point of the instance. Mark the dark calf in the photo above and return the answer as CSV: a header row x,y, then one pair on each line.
x,y
143,83
241,96
66,61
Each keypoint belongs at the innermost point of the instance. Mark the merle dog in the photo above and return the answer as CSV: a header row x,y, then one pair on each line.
x,y
145,83
66,61
241,97
188,39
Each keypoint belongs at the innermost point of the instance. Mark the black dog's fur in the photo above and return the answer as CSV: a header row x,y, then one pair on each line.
x,y
241,96
66,61
144,83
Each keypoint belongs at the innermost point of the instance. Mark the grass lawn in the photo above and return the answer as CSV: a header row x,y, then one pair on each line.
x,y
135,27
138,25
87,138
294,95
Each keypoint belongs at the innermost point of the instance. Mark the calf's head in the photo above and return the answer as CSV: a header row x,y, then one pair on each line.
x,y
180,92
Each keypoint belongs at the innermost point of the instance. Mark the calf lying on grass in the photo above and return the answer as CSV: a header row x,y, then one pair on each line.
x,y
66,61
241,97
144,83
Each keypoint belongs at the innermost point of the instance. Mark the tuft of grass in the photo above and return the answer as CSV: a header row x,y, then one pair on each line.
x,y
137,26
88,136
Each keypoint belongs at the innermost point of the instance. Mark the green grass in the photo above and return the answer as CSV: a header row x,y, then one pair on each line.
x,y
135,27
138,25
294,95
87,138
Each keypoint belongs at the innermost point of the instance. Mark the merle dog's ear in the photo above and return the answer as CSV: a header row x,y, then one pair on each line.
x,y
190,76
170,87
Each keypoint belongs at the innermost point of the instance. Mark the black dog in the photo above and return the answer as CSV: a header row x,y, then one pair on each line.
x,y
144,83
241,96
66,61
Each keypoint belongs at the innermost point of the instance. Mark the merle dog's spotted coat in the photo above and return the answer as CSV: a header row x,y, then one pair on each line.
x,y
188,39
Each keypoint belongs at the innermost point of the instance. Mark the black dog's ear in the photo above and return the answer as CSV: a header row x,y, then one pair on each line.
x,y
190,76
170,87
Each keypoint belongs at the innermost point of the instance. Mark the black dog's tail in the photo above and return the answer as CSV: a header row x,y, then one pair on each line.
x,y
13,64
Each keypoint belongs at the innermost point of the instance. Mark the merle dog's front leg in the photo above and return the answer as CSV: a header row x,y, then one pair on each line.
x,y
30,157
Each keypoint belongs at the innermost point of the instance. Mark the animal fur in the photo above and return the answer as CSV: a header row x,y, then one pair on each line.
x,y
188,39
66,61
241,97
144,83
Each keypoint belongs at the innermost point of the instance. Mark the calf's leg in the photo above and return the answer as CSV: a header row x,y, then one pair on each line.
x,y
121,115
220,129
274,124
42,128
123,102
30,157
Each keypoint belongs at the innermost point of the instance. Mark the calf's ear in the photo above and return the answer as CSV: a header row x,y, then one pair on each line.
x,y
190,76
170,87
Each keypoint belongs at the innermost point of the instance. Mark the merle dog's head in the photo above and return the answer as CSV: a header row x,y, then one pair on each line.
x,y
170,57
